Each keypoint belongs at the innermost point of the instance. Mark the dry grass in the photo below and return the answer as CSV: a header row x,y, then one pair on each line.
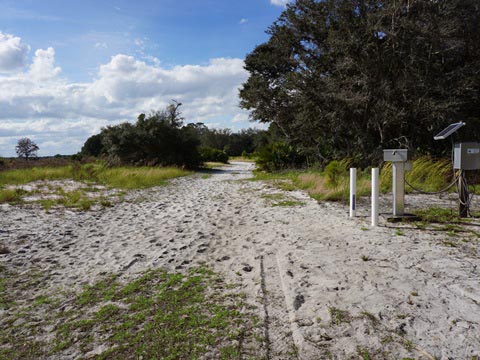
x,y
319,186
333,183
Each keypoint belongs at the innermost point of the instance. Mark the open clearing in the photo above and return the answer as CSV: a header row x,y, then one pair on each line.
x,y
322,285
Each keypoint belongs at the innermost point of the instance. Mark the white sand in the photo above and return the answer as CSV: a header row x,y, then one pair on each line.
x,y
294,263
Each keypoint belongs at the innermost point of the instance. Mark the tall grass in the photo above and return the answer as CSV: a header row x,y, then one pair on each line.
x,y
24,176
138,178
333,182
120,177
427,175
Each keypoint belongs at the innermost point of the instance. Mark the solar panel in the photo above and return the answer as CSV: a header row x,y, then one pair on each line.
x,y
449,130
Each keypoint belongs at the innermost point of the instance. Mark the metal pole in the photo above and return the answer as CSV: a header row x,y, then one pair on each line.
x,y
353,192
375,194
463,191
398,187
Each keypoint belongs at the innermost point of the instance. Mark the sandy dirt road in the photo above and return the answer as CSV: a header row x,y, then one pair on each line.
x,y
325,286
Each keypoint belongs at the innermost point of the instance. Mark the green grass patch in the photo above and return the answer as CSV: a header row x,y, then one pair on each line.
x,y
338,316
280,200
24,176
138,177
117,177
11,196
159,315
438,215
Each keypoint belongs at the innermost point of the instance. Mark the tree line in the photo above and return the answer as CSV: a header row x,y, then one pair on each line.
x,y
343,78
162,139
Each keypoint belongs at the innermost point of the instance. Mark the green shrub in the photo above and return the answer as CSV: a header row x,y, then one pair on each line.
x,y
336,173
155,140
279,156
214,155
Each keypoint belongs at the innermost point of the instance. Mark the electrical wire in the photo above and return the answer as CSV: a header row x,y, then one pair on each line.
x,y
435,192
465,190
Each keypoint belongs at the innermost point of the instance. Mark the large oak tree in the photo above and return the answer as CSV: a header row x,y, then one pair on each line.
x,y
345,78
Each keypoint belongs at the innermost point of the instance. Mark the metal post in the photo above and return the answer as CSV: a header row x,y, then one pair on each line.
x,y
463,191
375,195
398,186
353,191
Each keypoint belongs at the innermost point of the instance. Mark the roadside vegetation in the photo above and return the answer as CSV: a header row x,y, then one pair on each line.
x,y
94,178
157,315
333,182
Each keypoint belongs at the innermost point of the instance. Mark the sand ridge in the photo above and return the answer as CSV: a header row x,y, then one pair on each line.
x,y
325,285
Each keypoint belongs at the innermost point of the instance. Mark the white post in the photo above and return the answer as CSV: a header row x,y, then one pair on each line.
x,y
398,188
375,194
353,192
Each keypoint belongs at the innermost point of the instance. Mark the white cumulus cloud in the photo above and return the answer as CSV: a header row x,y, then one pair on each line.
x,y
60,115
279,2
13,53
43,65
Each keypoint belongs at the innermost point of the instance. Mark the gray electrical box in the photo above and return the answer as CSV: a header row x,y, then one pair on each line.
x,y
395,155
466,156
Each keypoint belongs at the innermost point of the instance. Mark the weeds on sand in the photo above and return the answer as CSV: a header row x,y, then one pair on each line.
x,y
338,316
438,215
449,222
281,200
158,315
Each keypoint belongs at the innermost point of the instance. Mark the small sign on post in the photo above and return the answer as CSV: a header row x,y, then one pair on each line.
x,y
353,192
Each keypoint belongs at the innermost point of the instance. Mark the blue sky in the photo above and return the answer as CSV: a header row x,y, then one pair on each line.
x,y
67,68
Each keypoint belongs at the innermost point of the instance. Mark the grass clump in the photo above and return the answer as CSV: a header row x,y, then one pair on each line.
x,y
11,196
338,316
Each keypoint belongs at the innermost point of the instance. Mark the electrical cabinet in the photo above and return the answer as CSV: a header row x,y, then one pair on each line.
x,y
466,156
396,155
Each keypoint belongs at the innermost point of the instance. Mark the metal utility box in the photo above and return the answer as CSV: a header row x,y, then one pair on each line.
x,y
400,164
395,155
466,156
